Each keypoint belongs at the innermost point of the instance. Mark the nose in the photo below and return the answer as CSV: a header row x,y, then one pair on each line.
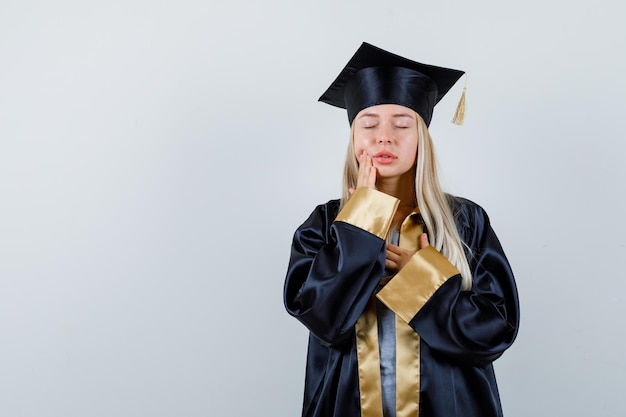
x,y
384,135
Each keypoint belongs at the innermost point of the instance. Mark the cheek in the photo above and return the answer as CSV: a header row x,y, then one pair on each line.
x,y
412,150
359,146
415,147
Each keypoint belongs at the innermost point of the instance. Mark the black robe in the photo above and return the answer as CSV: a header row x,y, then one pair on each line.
x,y
337,260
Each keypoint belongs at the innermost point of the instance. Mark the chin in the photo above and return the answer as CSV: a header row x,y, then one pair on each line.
x,y
392,173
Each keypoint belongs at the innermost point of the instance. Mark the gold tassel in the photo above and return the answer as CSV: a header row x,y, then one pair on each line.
x,y
459,114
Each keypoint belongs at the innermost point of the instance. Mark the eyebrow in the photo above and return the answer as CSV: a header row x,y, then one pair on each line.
x,y
393,115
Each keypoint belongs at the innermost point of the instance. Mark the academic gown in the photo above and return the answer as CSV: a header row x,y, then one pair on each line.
x,y
447,337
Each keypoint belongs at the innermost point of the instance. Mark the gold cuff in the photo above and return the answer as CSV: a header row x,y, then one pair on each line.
x,y
413,286
369,210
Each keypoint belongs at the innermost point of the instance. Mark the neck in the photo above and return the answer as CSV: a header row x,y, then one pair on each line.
x,y
403,188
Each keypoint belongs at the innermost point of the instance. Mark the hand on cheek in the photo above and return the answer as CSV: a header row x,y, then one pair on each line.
x,y
367,172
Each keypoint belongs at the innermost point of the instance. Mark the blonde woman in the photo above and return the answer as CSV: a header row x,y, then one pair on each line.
x,y
405,290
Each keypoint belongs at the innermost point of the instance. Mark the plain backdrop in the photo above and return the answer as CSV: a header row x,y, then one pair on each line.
x,y
156,157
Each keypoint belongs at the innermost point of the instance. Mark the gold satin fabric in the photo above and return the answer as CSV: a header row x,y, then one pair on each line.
x,y
368,357
410,232
407,366
369,210
407,348
413,286
407,370
405,295
407,340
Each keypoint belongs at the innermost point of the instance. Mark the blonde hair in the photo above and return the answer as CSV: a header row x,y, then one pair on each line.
x,y
432,202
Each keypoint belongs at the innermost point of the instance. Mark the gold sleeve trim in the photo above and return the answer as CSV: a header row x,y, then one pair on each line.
x,y
413,286
369,210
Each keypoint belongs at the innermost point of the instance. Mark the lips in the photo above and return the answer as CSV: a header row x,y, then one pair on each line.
x,y
385,157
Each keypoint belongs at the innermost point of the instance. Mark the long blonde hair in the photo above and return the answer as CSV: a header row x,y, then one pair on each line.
x,y
432,202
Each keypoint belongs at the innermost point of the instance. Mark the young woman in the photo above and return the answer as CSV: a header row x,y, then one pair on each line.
x,y
405,290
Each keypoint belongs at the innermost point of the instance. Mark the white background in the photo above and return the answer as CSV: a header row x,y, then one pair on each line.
x,y
156,157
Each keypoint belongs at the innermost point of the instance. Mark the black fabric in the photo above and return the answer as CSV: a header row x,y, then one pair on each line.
x,y
396,85
333,272
374,76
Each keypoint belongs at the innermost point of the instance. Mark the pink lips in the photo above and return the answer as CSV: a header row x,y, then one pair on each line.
x,y
385,157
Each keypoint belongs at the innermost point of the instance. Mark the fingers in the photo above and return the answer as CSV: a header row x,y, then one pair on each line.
x,y
396,257
398,252
367,172
424,241
371,179
393,250
391,266
392,258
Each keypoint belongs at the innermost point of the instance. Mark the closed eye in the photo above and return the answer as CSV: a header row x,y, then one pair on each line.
x,y
369,125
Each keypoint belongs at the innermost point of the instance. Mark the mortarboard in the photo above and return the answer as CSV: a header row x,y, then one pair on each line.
x,y
374,76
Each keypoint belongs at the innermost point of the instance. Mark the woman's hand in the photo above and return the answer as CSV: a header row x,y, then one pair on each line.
x,y
424,241
367,173
396,257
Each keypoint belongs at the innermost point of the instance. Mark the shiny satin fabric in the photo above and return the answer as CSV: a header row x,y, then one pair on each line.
x,y
408,370
407,367
407,340
334,271
373,218
407,354
415,284
375,76
368,358
390,85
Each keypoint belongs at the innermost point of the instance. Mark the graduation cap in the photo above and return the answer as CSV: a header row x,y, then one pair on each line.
x,y
374,76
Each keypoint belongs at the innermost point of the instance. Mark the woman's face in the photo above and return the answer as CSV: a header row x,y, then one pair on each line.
x,y
387,132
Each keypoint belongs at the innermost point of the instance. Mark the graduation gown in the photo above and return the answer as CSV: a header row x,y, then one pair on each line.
x,y
446,338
